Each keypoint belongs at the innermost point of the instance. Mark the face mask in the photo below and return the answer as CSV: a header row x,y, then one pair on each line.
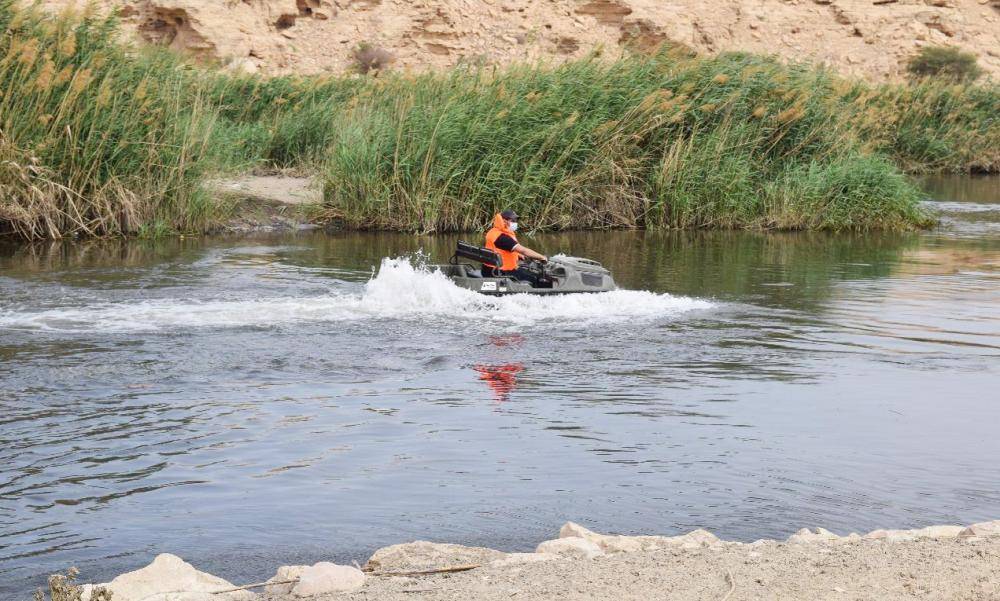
x,y
513,226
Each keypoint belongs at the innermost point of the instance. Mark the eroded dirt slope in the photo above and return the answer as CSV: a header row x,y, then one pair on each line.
x,y
862,37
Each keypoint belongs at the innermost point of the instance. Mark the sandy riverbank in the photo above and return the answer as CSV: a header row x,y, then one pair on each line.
x,y
937,562
268,203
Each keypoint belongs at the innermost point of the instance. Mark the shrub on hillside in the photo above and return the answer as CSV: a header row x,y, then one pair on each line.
x,y
945,62
368,58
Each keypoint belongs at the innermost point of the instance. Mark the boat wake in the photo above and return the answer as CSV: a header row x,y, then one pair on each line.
x,y
400,290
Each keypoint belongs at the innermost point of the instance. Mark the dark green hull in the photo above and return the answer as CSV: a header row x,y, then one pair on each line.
x,y
561,275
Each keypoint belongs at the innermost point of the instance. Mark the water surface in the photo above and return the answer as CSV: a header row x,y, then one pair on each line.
x,y
248,403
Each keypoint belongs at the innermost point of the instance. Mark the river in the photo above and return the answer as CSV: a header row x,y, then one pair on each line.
x,y
252,402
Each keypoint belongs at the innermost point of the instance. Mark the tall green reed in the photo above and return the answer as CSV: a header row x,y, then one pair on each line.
x,y
94,140
668,141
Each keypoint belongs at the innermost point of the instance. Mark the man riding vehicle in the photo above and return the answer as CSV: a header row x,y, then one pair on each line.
x,y
501,240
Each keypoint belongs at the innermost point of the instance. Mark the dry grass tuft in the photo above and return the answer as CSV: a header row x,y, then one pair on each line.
x,y
63,587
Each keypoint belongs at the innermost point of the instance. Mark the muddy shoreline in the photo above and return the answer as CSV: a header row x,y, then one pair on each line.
x,y
268,203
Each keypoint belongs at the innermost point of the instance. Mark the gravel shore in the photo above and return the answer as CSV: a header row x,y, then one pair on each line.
x,y
952,569
933,563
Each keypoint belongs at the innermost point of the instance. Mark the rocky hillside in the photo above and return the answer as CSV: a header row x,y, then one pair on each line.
x,y
862,37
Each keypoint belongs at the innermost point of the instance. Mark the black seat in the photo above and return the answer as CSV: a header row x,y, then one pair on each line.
x,y
482,255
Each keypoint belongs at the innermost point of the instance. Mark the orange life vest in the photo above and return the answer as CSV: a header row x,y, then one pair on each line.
x,y
508,258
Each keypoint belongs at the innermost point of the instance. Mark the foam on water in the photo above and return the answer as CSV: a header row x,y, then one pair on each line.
x,y
399,291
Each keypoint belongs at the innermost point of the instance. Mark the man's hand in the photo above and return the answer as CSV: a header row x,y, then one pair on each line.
x,y
527,252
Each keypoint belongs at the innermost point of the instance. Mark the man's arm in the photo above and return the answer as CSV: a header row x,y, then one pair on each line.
x,y
524,250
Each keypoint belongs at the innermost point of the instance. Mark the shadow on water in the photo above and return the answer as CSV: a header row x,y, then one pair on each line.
x,y
962,188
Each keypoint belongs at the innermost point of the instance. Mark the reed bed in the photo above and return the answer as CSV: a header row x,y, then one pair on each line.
x,y
276,122
671,141
94,141
933,125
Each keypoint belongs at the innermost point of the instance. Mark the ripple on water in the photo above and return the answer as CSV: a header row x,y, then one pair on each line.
x,y
206,400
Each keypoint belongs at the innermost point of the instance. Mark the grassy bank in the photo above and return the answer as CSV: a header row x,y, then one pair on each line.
x,y
98,139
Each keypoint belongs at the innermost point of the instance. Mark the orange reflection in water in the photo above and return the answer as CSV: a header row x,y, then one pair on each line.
x,y
502,379
506,340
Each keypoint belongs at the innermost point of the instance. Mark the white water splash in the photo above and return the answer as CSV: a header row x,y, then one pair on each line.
x,y
399,291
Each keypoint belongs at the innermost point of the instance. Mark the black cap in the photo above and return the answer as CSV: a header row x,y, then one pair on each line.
x,y
509,215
